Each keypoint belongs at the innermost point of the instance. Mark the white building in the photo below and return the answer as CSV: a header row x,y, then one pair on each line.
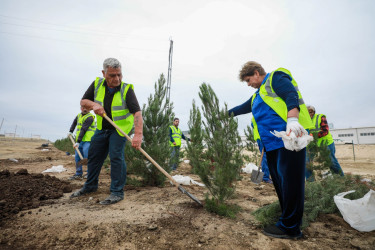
x,y
364,135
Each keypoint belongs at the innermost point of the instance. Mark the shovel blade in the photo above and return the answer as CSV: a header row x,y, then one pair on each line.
x,y
190,195
256,176
83,161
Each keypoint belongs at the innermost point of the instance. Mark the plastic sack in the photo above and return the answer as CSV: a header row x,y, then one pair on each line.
x,y
55,169
186,180
292,142
249,168
360,213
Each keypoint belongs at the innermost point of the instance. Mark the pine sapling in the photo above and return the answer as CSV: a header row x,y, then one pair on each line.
x,y
156,118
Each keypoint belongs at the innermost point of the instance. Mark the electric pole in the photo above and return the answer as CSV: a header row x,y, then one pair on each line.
x,y
168,96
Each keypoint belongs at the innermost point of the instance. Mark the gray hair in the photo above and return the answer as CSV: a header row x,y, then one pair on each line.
x,y
112,63
310,107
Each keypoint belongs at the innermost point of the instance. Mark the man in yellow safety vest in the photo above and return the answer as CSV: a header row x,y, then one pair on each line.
x,y
175,136
324,136
85,123
111,96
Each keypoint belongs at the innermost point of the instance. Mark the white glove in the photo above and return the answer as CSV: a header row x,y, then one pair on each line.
x,y
294,126
70,134
76,145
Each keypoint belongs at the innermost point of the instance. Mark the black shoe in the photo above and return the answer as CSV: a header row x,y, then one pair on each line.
x,y
75,177
77,194
112,199
276,232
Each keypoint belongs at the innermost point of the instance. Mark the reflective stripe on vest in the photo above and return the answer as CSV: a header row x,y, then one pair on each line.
x,y
90,131
317,119
269,97
176,135
120,112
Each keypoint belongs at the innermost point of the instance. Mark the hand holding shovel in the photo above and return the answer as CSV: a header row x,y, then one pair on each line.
x,y
83,161
179,187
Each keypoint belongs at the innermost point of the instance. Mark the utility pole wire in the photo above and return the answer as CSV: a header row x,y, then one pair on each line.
x,y
72,27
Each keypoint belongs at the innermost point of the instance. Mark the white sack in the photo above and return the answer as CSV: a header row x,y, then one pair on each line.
x,y
360,213
45,149
292,142
249,168
186,180
55,169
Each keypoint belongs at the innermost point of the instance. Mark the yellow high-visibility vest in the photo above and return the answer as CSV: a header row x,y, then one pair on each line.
x,y
176,135
120,112
316,120
269,96
90,131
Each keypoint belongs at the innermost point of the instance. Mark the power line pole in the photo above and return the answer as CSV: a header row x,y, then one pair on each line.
x,y
15,131
1,124
169,78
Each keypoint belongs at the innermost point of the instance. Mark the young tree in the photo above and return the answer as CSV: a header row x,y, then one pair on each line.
x,y
318,157
195,148
157,116
251,146
221,167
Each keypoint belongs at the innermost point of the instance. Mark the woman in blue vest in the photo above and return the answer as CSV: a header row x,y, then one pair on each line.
x,y
277,105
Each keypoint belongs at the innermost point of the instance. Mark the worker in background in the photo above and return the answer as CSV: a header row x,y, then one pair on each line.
x,y
85,123
111,96
175,136
324,136
277,105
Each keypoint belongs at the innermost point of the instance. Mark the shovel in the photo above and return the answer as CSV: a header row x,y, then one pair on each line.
x,y
179,187
83,161
257,175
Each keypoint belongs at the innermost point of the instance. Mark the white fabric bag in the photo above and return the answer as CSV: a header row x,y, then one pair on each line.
x,y
360,213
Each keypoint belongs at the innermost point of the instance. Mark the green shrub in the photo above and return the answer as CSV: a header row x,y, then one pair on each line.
x,y
65,145
318,198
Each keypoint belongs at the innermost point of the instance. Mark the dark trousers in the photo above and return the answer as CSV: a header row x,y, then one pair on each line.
x,y
287,169
175,157
102,143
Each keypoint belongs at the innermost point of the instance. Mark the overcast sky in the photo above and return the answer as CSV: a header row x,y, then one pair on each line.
x,y
51,51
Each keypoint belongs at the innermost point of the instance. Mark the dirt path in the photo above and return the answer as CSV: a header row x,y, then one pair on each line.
x,y
159,218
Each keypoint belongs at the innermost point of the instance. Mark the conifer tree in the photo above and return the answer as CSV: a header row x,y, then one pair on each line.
x,y
318,157
195,148
157,116
251,146
221,167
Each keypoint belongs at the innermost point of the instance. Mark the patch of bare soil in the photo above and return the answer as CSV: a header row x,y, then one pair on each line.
x,y
157,218
22,191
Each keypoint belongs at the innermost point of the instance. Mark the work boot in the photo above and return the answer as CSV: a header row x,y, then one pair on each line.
x,y
77,193
75,177
274,231
111,199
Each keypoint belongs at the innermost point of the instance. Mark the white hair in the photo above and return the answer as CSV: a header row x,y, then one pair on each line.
x,y
310,107
111,62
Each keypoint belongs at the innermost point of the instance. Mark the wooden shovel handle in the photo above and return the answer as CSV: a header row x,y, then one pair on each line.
x,y
79,153
142,151
261,158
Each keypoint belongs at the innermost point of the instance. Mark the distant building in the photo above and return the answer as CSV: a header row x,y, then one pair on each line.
x,y
365,135
9,135
35,136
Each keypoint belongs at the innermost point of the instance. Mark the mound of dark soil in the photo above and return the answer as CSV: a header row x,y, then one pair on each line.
x,y
22,191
